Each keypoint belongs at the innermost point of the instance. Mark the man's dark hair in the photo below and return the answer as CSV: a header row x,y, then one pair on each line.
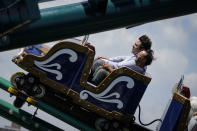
x,y
149,57
145,42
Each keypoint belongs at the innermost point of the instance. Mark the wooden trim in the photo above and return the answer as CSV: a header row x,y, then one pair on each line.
x,y
182,124
180,98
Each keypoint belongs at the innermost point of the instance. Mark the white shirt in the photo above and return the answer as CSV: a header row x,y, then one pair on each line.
x,y
127,61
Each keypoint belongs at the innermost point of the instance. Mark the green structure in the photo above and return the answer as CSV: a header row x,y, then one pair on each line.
x,y
94,16
24,119
15,14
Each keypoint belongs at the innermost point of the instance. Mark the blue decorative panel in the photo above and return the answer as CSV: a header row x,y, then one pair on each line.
x,y
35,50
62,66
171,116
122,95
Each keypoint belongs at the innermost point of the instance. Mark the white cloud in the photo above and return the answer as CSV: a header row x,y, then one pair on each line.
x,y
113,43
169,65
191,82
171,60
193,21
170,33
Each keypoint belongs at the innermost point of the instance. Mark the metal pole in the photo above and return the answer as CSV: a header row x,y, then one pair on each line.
x,y
4,84
63,116
81,18
24,119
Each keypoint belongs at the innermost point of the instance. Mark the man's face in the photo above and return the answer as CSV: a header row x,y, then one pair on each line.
x,y
141,59
136,47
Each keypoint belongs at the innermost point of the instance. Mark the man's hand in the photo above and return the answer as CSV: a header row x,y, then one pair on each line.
x,y
195,114
107,67
102,57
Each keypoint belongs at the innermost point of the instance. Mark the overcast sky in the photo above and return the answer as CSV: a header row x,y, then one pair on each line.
x,y
174,43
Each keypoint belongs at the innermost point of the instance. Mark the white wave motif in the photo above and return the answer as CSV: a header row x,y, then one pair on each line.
x,y
106,98
43,64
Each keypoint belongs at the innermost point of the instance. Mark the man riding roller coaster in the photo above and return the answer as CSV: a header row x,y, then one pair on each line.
x,y
142,55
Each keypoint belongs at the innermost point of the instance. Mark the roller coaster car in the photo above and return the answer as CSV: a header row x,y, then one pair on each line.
x,y
63,70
